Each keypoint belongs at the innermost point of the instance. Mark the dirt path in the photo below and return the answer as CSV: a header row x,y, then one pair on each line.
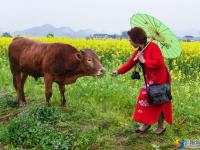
x,y
1,147
4,117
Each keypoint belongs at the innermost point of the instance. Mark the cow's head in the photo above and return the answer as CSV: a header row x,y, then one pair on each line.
x,y
90,63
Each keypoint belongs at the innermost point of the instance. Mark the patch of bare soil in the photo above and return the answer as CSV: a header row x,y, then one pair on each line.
x,y
4,117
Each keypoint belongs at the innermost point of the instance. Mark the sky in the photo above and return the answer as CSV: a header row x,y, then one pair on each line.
x,y
99,15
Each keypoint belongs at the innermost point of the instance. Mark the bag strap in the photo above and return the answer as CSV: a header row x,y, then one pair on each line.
x,y
143,71
167,76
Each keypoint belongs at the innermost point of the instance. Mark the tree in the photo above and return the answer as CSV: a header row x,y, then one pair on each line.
x,y
188,38
124,34
50,35
6,34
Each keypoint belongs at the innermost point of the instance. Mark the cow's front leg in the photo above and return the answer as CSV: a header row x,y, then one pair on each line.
x,y
48,88
62,94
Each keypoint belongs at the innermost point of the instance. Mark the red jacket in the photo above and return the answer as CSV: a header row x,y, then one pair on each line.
x,y
155,68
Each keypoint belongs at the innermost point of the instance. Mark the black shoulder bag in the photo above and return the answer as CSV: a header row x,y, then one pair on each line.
x,y
158,93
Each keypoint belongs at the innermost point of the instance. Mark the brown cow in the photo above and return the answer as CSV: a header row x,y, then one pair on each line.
x,y
56,62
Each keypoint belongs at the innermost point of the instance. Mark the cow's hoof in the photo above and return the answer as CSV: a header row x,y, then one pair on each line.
x,y
22,104
48,104
63,105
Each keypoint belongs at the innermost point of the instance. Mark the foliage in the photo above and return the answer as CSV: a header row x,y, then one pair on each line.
x,y
6,34
50,35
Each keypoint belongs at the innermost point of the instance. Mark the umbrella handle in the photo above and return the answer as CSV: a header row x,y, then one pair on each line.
x,y
141,52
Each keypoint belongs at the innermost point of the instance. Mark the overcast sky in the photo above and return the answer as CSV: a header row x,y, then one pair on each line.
x,y
99,15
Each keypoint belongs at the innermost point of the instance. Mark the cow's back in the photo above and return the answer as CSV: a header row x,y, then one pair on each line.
x,y
26,55
35,57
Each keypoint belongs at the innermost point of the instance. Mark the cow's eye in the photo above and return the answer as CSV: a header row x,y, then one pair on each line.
x,y
89,60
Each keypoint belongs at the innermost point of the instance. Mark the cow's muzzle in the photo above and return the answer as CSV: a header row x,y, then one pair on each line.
x,y
101,72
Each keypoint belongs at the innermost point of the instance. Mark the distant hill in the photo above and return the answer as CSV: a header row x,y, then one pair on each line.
x,y
61,31
69,32
197,38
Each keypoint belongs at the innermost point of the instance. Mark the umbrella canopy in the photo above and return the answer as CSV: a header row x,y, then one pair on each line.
x,y
159,33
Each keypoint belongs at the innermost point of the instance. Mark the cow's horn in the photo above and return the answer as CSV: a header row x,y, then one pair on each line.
x,y
82,51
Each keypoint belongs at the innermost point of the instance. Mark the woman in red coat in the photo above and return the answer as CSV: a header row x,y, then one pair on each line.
x,y
155,73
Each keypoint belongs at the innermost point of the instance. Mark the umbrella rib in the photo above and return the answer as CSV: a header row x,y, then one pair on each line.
x,y
175,51
170,37
160,24
173,36
138,21
166,28
161,47
163,50
157,28
177,47
157,42
154,22
167,52
141,19
144,19
149,20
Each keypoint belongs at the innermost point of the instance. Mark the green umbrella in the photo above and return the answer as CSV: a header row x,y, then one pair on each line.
x,y
159,33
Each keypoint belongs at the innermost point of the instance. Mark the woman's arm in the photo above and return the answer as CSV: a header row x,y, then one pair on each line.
x,y
128,65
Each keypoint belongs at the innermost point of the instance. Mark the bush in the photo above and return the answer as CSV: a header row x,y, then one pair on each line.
x,y
6,34
33,129
44,114
50,35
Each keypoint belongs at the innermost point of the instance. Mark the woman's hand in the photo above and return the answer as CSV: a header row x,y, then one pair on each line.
x,y
115,73
141,58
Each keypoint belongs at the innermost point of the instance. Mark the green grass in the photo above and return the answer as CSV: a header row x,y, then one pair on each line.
x,y
98,116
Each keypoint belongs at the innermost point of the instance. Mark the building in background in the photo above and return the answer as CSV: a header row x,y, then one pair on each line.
x,y
188,38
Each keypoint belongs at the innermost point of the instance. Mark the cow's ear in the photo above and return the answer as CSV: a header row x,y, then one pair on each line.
x,y
79,56
94,50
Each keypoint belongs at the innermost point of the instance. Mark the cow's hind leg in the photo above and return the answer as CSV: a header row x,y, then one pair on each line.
x,y
48,88
23,80
62,94
18,86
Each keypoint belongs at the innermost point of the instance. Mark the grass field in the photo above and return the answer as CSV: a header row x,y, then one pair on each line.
x,y
99,112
